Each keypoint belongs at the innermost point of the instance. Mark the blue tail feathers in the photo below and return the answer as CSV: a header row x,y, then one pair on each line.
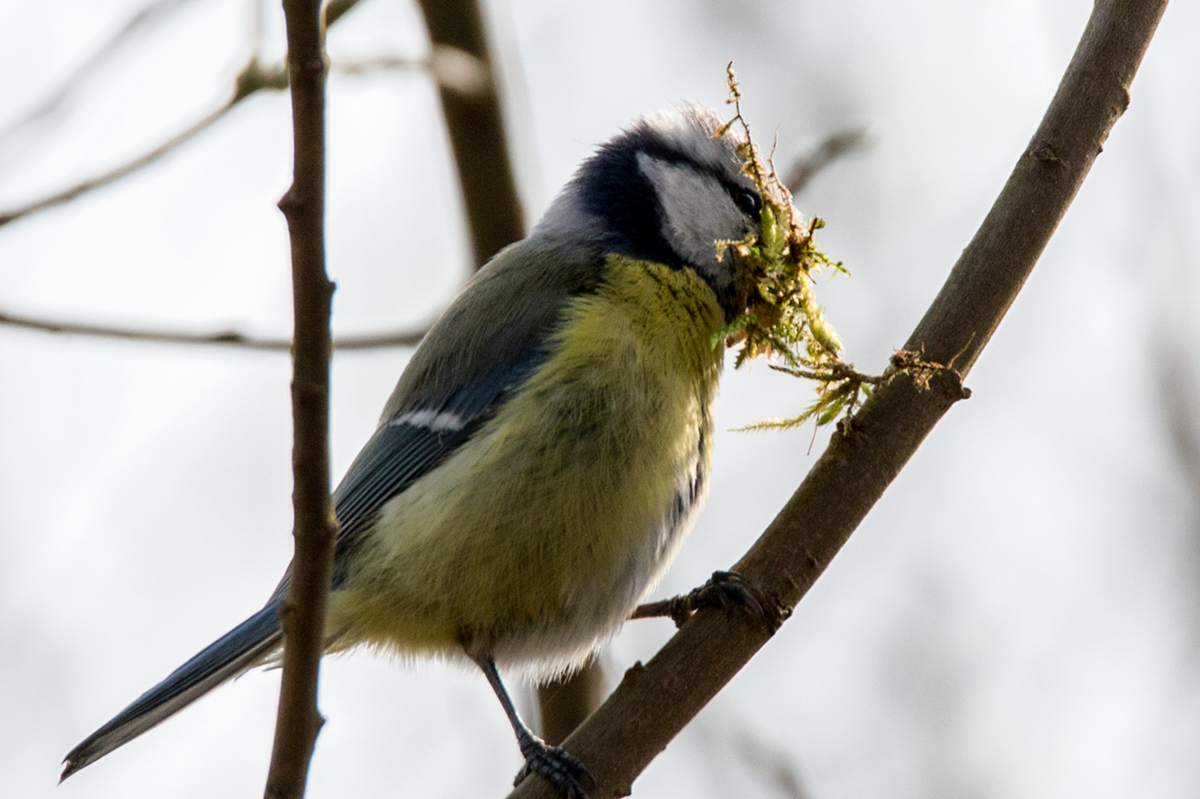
x,y
239,649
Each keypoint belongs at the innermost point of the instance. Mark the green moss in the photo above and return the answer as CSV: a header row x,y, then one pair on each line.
x,y
782,319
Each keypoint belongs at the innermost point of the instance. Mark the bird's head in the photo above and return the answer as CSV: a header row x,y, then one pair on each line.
x,y
663,190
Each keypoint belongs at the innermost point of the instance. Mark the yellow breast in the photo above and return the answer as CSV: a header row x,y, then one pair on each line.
x,y
545,528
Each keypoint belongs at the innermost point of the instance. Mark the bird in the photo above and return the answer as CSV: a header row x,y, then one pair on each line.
x,y
547,447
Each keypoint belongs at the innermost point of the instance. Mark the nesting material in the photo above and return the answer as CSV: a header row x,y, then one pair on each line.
x,y
781,318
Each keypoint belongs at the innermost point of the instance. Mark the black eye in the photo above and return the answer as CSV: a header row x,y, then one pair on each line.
x,y
748,201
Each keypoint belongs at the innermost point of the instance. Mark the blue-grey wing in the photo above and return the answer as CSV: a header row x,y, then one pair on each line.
x,y
418,438
490,339
487,343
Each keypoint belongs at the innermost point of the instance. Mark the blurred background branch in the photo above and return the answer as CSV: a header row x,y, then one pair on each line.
x,y
833,147
124,170
459,64
464,75
475,124
224,338
1180,388
336,9
564,703
771,764
53,101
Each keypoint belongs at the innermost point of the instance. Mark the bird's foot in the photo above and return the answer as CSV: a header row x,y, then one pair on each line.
x,y
556,765
724,590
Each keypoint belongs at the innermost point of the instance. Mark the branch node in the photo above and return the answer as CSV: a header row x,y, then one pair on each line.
x,y
847,427
777,611
923,372
316,66
461,73
253,77
286,612
228,337
1046,153
632,673
289,203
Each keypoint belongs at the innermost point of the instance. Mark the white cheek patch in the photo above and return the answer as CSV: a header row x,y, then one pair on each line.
x,y
697,210
431,420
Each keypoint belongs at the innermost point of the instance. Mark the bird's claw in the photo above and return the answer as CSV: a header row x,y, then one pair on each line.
x,y
557,766
727,590
724,590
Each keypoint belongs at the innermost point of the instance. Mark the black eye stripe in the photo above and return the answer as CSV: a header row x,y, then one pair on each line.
x,y
746,199
614,187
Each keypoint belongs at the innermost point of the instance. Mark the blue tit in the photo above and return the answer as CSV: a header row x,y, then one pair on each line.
x,y
547,447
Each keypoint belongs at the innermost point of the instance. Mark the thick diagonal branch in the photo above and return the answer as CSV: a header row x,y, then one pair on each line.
x,y
655,701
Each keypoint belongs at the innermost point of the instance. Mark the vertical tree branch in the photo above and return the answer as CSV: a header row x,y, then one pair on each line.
x,y
302,615
476,126
564,703
655,701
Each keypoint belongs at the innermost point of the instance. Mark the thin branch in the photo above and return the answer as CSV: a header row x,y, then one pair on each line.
x,y
833,147
378,64
71,84
105,178
336,9
450,73
455,71
1178,385
654,702
302,615
225,338
251,79
772,764
476,126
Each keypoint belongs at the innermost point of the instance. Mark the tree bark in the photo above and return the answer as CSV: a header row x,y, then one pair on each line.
x,y
302,614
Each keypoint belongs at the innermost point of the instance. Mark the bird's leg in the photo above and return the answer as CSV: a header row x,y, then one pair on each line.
x,y
556,765
725,590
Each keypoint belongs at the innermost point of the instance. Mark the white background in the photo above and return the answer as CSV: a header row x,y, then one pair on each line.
x,y
1017,617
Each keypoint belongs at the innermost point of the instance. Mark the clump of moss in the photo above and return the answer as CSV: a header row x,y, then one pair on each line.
x,y
781,318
